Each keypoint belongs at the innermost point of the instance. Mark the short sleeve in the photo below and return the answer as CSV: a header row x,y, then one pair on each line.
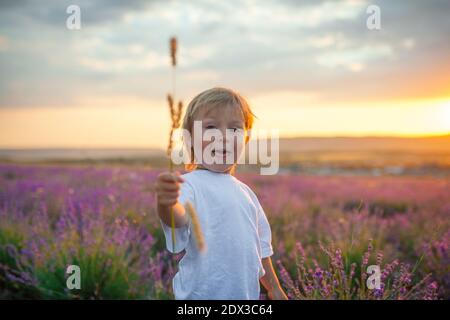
x,y
182,234
264,232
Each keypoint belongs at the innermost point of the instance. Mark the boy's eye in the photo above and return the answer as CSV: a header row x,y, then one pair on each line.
x,y
210,126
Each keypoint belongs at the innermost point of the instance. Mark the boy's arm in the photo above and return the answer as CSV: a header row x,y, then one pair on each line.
x,y
270,281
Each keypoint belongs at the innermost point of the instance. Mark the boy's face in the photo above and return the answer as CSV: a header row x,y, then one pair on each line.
x,y
224,137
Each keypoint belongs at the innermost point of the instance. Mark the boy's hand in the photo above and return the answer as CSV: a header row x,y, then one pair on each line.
x,y
270,281
167,188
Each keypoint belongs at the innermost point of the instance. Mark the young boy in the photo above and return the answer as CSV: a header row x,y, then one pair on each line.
x,y
236,231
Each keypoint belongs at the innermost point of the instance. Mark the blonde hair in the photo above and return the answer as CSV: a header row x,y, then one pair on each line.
x,y
214,98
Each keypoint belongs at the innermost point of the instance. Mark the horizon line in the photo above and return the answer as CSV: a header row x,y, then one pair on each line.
x,y
414,136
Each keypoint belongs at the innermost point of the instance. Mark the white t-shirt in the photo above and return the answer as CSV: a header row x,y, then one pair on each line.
x,y
237,236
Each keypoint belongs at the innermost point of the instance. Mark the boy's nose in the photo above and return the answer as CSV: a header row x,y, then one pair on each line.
x,y
222,141
223,136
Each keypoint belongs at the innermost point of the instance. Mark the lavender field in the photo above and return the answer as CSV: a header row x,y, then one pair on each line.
x,y
326,231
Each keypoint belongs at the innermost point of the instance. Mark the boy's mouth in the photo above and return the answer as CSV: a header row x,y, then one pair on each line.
x,y
220,152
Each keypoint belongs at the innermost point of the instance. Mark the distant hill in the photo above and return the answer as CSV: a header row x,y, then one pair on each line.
x,y
311,155
422,144
367,155
439,144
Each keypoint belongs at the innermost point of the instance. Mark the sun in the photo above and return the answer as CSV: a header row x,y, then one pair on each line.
x,y
444,110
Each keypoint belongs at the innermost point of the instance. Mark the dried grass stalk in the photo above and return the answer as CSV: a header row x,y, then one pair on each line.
x,y
175,117
198,234
173,50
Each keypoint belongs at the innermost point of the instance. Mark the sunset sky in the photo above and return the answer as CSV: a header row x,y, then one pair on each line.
x,y
308,68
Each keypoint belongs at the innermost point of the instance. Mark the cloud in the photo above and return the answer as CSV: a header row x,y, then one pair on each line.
x,y
337,40
355,59
257,47
4,43
408,43
99,55
54,13
285,99
146,61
